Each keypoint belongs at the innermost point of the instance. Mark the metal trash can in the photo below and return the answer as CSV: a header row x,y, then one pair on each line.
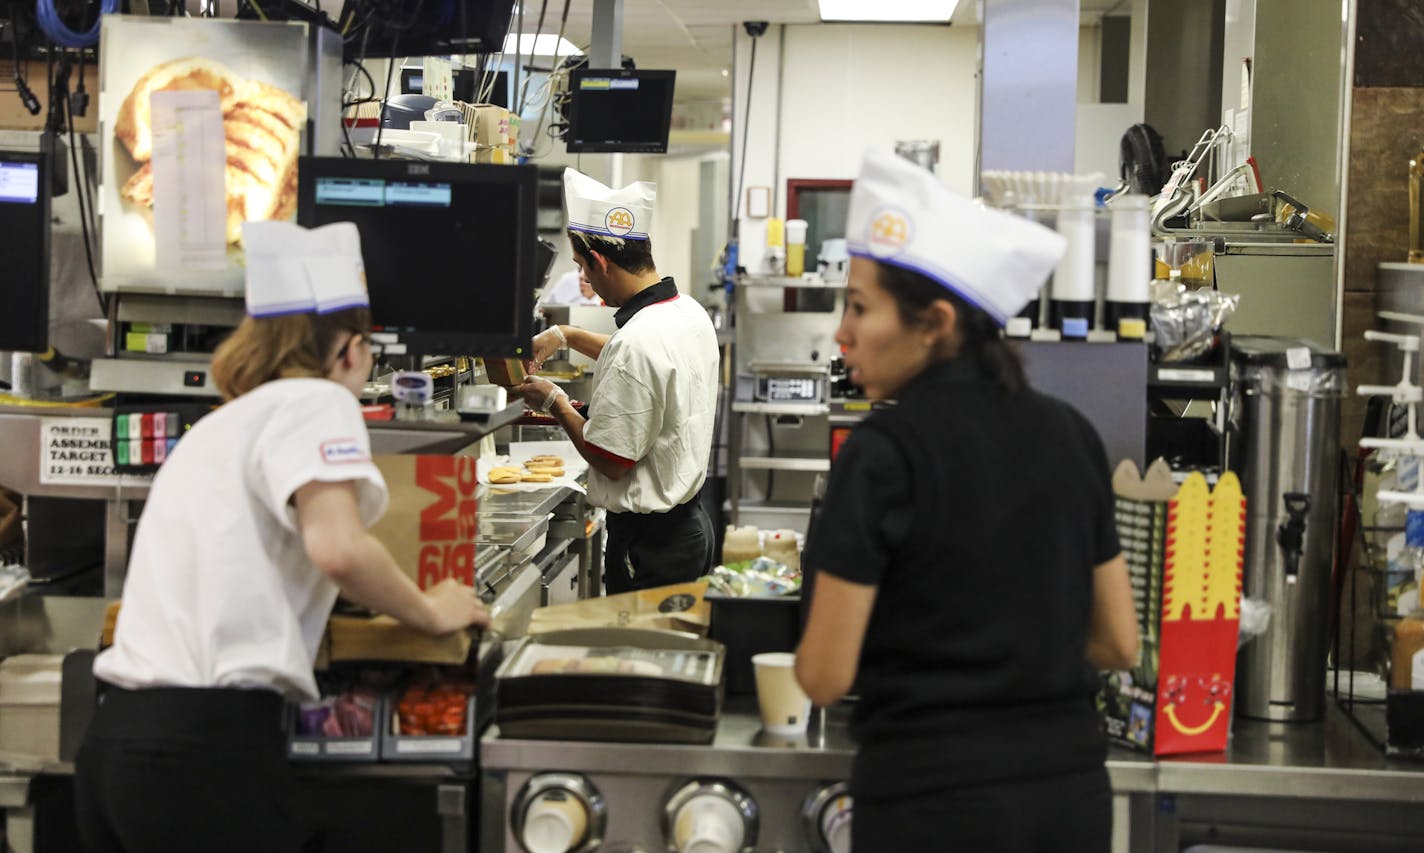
x,y
1284,443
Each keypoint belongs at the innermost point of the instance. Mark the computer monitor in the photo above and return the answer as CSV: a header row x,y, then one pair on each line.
x,y
24,250
470,92
450,248
619,110
430,28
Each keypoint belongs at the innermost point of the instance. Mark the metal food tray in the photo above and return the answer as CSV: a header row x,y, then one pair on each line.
x,y
521,534
529,504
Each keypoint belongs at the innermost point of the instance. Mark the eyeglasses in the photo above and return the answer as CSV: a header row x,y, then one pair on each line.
x,y
361,337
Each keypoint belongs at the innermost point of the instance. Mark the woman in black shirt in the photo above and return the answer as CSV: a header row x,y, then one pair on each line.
x,y
968,573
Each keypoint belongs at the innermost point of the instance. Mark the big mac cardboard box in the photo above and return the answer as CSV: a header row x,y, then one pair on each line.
x,y
1184,548
429,527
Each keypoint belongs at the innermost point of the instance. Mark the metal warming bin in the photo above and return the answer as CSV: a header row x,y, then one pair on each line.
x,y
1284,443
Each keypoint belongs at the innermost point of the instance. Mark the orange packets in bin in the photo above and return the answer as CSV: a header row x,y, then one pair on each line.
x,y
434,706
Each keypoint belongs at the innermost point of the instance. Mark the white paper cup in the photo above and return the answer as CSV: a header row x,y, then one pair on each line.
x,y
554,823
785,709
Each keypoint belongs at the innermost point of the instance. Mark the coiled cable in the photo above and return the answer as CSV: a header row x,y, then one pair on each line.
x,y
58,32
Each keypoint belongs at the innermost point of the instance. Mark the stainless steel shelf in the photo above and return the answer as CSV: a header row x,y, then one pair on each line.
x,y
782,281
774,508
783,463
447,434
781,408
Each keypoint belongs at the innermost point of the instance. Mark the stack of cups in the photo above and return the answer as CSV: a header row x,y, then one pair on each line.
x,y
1129,268
795,247
785,708
1073,286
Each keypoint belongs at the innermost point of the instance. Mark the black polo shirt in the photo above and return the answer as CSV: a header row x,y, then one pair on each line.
x,y
979,516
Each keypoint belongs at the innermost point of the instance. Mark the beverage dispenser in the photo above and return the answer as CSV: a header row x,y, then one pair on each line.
x,y
1284,443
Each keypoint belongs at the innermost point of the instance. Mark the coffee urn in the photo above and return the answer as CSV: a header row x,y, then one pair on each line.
x,y
1284,444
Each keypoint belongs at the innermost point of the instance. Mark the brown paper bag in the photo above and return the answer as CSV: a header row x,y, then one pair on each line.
x,y
679,607
430,524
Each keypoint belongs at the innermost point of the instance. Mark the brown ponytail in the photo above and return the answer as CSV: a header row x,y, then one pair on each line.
x,y
980,337
262,349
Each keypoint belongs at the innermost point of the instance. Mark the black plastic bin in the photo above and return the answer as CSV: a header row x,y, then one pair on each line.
x,y
750,626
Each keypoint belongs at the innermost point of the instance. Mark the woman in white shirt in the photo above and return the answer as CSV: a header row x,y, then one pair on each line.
x,y
253,525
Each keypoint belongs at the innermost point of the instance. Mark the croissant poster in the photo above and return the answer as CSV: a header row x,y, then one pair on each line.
x,y
259,74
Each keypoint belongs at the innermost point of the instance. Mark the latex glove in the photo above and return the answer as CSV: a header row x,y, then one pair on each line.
x,y
546,343
539,393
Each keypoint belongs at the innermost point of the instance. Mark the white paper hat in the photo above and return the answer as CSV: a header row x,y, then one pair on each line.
x,y
901,214
596,209
296,270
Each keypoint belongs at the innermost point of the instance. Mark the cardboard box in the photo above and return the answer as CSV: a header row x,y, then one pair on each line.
x,y
494,156
1184,547
505,372
381,638
29,705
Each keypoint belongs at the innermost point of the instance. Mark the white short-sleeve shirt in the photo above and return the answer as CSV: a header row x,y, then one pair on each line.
x,y
653,403
220,591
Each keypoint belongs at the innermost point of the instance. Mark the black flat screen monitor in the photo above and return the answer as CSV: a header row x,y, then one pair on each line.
x,y
426,28
24,251
620,110
449,248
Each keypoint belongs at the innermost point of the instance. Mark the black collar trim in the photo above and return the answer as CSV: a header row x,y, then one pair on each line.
x,y
650,295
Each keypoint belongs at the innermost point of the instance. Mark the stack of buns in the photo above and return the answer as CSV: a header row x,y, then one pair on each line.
x,y
537,469
262,128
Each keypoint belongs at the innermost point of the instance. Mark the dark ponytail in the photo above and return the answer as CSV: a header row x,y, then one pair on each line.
x,y
980,336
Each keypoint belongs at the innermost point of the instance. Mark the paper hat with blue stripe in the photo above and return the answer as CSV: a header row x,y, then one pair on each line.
x,y
296,270
902,215
605,212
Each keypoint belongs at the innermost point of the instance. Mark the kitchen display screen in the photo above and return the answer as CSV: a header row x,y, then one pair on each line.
x,y
626,111
19,182
24,252
448,253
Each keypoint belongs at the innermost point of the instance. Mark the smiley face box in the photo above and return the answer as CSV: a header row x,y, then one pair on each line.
x,y
1185,548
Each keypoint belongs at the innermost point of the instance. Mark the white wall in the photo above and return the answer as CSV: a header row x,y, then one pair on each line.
x,y
1099,127
846,88
674,219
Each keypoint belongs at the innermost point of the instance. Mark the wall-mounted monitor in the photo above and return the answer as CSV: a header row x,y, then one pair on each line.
x,y
428,28
24,250
450,248
623,110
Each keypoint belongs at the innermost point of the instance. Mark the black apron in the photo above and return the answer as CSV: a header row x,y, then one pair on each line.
x,y
657,548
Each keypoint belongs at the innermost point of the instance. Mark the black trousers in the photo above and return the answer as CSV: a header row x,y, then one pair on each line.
x,y
655,549
170,770
1061,814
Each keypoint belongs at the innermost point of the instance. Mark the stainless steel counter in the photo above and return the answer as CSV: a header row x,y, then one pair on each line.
x,y
1329,760
1325,780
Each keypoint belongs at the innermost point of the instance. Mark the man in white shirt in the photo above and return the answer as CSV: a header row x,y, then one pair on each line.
x,y
648,435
